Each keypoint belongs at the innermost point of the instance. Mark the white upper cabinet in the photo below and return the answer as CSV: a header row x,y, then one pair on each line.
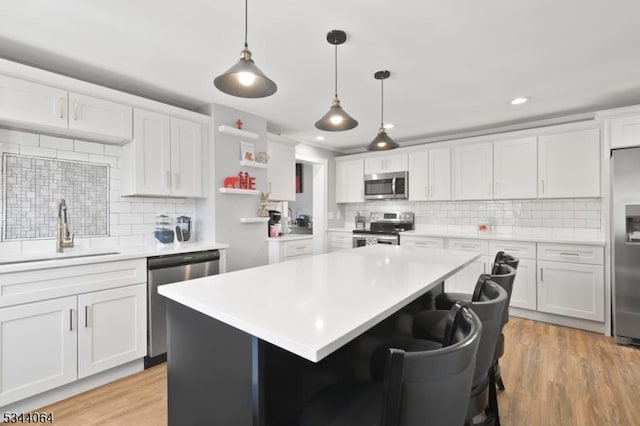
x,y
430,175
281,171
419,176
625,131
386,164
165,157
150,161
31,103
186,161
439,174
473,171
94,115
40,107
515,172
350,181
569,164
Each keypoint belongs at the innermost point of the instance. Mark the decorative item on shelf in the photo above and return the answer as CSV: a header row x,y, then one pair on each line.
x,y
262,157
264,199
244,181
239,124
246,151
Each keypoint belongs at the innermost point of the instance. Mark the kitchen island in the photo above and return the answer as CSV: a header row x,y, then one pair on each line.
x,y
249,347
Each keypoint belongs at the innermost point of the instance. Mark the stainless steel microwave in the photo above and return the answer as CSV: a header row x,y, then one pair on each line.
x,y
386,186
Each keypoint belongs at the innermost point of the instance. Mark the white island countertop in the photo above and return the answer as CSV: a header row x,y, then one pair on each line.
x,y
314,305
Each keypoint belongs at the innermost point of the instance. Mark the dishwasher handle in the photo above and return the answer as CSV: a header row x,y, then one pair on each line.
x,y
170,260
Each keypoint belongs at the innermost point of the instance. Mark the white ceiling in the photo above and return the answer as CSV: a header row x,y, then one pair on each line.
x,y
454,64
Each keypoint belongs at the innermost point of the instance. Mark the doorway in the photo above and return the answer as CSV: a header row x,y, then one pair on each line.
x,y
318,167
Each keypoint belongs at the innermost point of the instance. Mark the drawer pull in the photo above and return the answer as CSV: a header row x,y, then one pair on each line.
x,y
511,248
569,254
468,246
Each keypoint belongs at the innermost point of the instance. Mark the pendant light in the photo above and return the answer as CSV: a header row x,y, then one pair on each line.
x,y
336,119
382,142
245,79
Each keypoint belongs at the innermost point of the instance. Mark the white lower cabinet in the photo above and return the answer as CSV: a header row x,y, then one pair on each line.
x,y
465,280
38,342
340,241
62,324
525,286
281,249
571,289
111,328
48,344
421,241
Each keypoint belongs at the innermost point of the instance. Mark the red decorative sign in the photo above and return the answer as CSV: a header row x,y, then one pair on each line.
x,y
244,181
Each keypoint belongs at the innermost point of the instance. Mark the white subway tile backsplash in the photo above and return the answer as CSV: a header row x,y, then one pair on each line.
x,y
518,217
19,138
37,151
89,147
103,159
56,143
72,155
130,220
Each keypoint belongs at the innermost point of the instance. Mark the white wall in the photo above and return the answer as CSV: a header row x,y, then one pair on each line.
x,y
131,219
219,214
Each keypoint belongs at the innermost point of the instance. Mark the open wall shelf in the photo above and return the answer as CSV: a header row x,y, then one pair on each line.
x,y
238,191
237,132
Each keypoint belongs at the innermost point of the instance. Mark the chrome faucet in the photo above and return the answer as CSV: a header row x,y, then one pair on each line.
x,y
65,240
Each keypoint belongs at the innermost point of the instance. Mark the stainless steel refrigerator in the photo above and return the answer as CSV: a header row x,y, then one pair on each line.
x,y
626,251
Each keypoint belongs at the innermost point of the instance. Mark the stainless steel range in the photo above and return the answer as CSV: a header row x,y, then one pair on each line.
x,y
384,228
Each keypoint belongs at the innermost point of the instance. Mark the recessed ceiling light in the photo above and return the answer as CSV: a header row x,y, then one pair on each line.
x,y
388,126
519,100
319,138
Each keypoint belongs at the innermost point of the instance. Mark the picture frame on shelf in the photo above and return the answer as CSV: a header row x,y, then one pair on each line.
x,y
247,151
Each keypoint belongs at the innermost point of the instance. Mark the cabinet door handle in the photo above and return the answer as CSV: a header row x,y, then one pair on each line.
x,y
75,111
70,319
541,274
430,191
61,107
176,180
87,314
543,186
269,187
168,178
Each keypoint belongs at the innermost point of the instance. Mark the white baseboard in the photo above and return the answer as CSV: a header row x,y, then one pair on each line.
x,y
58,394
597,327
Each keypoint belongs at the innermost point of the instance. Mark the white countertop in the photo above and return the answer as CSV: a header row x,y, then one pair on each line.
x,y
290,237
557,239
68,258
314,305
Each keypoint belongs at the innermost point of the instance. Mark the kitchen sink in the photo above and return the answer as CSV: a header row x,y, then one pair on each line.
x,y
56,257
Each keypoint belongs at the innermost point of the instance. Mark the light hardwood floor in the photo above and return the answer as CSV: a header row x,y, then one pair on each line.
x,y
554,376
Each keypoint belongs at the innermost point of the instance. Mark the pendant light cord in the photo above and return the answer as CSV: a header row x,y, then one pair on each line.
x,y
381,103
246,20
336,69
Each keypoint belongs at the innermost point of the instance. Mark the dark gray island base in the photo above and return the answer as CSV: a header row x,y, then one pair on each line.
x,y
221,376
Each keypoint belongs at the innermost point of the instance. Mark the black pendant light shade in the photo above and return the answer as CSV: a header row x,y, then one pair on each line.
x,y
336,119
382,141
244,79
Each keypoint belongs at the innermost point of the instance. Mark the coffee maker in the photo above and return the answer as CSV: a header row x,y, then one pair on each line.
x,y
274,223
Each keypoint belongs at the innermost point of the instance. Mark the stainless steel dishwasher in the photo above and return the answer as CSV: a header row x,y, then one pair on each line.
x,y
167,269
